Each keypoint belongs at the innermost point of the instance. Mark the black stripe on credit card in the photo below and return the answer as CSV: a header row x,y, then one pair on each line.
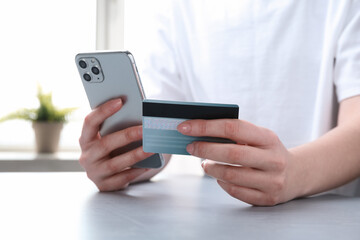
x,y
172,109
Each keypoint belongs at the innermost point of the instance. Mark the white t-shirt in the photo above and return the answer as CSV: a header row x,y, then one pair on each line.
x,y
287,64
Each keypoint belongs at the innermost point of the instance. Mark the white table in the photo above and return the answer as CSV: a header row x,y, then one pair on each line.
x,y
68,206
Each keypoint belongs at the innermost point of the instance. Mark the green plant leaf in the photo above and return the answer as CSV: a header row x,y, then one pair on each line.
x,y
46,112
24,114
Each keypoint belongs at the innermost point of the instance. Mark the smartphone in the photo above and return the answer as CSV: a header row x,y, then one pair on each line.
x,y
109,75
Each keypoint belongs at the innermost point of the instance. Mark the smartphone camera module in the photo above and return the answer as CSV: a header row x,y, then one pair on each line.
x,y
90,69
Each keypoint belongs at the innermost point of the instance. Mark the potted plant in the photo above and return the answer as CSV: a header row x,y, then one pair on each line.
x,y
47,121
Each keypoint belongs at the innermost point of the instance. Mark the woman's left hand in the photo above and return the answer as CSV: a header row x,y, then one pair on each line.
x,y
257,169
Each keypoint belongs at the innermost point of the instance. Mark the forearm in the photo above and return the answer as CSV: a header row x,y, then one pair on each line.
x,y
152,172
328,162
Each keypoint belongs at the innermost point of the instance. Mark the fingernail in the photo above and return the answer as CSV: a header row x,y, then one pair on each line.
x,y
140,131
184,128
190,148
117,103
203,163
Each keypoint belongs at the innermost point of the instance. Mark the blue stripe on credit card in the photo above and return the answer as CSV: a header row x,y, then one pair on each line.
x,y
160,135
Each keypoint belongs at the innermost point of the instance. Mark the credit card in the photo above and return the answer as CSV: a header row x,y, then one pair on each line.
x,y
161,118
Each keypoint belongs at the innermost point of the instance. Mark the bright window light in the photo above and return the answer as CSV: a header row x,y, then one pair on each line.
x,y
38,44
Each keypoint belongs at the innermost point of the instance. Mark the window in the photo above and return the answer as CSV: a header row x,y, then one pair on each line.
x,y
38,44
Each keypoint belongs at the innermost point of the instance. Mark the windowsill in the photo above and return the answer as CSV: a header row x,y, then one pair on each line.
x,y
34,162
67,161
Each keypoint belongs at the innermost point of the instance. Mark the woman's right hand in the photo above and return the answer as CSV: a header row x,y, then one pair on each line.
x,y
109,173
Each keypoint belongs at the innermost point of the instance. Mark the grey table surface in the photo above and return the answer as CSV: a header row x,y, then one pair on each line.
x,y
68,206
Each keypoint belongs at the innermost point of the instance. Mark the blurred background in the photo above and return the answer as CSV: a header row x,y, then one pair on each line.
x,y
39,40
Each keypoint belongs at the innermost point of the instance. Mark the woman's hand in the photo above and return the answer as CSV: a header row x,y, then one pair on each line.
x,y
109,173
256,170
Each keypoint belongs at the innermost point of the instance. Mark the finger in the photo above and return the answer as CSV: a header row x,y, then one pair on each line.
x,y
244,155
240,176
248,195
94,120
121,162
237,130
113,141
120,180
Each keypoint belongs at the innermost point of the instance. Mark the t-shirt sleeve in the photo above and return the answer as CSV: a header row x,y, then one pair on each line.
x,y
347,66
153,47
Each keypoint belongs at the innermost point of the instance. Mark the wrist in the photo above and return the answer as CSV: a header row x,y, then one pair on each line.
x,y
297,176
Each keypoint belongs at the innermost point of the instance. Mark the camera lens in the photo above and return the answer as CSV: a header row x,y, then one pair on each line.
x,y
87,77
95,70
82,64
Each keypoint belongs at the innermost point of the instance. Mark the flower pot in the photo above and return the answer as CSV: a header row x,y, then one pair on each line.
x,y
47,136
